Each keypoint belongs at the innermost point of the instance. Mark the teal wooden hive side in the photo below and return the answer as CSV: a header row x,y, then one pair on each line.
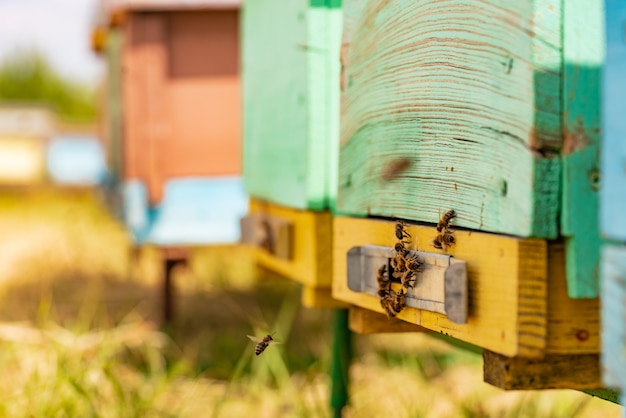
x,y
289,72
583,54
453,104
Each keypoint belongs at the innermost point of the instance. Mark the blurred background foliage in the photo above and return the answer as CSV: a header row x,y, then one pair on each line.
x,y
26,77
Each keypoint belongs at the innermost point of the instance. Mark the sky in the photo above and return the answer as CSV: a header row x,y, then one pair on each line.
x,y
60,29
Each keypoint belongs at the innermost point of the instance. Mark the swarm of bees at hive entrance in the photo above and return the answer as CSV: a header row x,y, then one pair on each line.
x,y
404,267
263,343
444,237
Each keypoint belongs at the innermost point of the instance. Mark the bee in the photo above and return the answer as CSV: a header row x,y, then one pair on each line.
x,y
407,278
393,303
384,284
444,222
263,343
398,300
443,240
413,265
402,233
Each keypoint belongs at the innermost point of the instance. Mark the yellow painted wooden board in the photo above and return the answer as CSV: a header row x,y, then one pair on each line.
x,y
364,321
507,284
311,248
573,324
517,290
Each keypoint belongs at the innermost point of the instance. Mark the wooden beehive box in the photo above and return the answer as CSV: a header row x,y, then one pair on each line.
x,y
290,71
612,197
491,109
173,115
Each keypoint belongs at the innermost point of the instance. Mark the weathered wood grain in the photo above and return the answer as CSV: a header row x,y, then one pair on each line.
x,y
290,73
469,93
507,284
310,263
583,50
364,321
551,372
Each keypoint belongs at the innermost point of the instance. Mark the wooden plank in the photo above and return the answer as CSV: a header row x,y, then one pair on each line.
x,y
613,191
450,104
507,284
573,324
290,146
364,321
552,372
311,249
583,50
320,297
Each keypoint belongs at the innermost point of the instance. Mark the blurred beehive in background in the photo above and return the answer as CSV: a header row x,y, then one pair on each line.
x,y
171,119
24,134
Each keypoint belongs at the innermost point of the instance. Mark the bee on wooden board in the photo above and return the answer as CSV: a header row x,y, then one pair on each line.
x,y
444,222
393,303
443,240
400,232
263,343
384,284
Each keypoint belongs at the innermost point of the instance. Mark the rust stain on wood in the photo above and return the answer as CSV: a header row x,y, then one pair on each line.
x,y
576,137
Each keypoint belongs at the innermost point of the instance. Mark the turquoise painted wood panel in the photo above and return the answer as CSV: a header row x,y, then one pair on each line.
x,y
613,198
453,104
290,68
194,211
583,54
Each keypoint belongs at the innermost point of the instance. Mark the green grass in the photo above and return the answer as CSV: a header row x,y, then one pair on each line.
x,y
78,336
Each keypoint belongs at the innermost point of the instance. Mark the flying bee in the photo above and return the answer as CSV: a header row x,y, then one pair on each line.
x,y
444,222
263,343
443,240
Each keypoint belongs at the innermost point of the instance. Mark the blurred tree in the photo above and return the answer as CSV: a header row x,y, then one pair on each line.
x,y
26,76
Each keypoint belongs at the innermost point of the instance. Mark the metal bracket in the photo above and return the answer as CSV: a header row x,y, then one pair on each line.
x,y
441,286
270,233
